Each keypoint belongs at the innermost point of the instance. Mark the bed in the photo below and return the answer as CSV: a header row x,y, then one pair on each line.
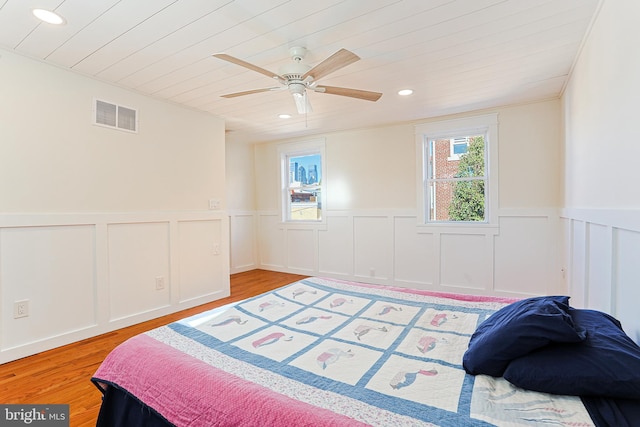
x,y
324,352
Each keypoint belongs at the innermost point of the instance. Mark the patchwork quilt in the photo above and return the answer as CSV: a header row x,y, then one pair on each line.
x,y
326,352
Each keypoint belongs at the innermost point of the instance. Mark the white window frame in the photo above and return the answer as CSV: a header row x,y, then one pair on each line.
x,y
446,129
296,149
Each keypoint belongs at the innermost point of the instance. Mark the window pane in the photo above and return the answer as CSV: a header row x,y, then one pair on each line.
x,y
457,201
441,163
471,163
305,180
449,158
456,179
306,211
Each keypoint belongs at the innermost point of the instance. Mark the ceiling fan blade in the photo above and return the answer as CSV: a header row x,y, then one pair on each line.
x,y
352,93
249,92
338,60
245,64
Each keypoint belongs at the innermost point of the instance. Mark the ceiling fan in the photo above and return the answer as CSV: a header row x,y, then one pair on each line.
x,y
298,77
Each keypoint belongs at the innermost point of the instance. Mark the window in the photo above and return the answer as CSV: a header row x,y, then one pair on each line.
x,y
457,146
456,183
302,169
455,173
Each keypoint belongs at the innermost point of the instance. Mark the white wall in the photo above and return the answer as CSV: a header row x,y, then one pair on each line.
x,y
601,113
54,159
601,151
90,217
371,232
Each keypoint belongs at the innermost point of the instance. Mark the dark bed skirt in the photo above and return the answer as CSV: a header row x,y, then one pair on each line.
x,y
120,408
608,412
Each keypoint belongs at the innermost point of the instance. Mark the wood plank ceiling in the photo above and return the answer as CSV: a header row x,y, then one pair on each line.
x,y
457,55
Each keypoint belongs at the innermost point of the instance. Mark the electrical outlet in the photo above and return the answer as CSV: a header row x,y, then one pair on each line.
x,y
159,283
216,248
21,309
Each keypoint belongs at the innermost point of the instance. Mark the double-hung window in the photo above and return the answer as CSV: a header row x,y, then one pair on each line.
x,y
302,170
456,178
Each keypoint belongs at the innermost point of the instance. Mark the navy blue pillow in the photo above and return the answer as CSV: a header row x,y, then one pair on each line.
x,y
516,330
606,363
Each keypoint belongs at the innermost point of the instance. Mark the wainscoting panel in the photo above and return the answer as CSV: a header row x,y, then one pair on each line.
x,y
87,274
599,252
201,261
373,247
577,268
270,241
138,257
527,244
626,276
604,272
335,243
302,250
414,255
242,231
463,261
31,260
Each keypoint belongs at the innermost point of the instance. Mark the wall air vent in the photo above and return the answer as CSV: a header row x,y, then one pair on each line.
x,y
115,116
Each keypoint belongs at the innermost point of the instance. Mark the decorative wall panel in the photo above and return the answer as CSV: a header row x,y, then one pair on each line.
x,y
200,263
87,274
53,268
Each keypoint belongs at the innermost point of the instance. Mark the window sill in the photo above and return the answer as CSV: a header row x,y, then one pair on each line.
x,y
303,225
458,228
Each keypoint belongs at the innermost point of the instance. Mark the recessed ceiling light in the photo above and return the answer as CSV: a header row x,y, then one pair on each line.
x,y
405,92
284,116
49,17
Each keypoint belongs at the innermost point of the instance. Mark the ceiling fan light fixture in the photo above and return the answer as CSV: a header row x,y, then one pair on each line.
x,y
405,92
284,116
301,98
48,16
301,103
297,89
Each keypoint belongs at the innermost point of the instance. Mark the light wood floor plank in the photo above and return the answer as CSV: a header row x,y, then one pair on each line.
x,y
62,375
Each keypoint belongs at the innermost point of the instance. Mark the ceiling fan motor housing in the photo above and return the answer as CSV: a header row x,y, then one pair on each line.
x,y
294,71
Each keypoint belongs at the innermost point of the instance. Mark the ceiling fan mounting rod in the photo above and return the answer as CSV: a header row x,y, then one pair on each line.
x,y
297,53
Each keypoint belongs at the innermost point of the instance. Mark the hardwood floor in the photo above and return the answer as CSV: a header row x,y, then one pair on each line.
x,y
62,375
